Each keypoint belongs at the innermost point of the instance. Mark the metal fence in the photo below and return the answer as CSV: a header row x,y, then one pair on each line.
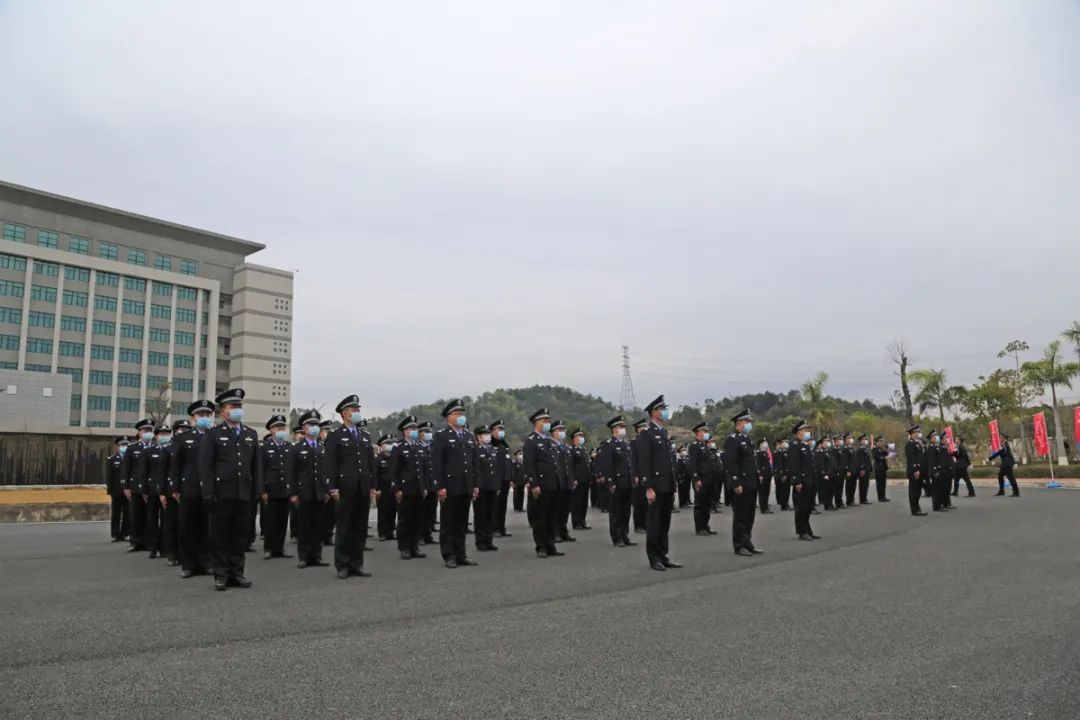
x,y
43,459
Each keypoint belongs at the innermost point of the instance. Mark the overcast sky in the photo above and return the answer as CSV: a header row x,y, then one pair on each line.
x,y
744,192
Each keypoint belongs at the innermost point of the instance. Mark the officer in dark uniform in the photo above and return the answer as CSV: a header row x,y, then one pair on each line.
x,y
764,461
135,482
640,505
614,469
847,454
155,471
309,491
824,468
915,456
277,487
656,474
487,485
937,467
169,547
517,479
1006,468
504,467
329,518
349,464
862,465
881,467
431,501
453,474
682,476
838,471
231,473
720,494
743,478
540,464
386,507
802,474
409,484
963,463
114,486
184,480
781,475
582,473
701,464
566,479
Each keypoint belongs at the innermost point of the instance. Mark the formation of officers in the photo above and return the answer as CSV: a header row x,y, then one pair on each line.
x,y
191,492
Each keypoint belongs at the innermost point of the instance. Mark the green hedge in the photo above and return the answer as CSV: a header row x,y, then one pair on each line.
x,y
1034,470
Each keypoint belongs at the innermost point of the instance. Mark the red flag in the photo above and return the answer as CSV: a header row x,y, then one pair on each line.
x,y
995,436
1042,444
1076,423
951,438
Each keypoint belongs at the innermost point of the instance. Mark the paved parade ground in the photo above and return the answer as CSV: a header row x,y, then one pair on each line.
x,y
968,614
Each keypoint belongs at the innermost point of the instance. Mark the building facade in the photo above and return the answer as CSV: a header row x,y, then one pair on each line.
x,y
141,314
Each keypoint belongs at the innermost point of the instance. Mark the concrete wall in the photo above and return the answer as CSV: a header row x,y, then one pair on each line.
x,y
43,398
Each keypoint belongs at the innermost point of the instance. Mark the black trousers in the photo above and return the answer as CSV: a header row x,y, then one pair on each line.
x,y
484,518
601,496
410,525
824,492
519,497
720,493
783,493
386,515
152,533
763,491
452,523
641,508
275,514
137,513
230,526
940,487
170,529
252,534
329,521
965,475
851,484
914,492
194,535
545,519
1007,472
657,526
619,514
294,518
804,505
880,480
703,506
500,508
744,506
579,504
309,530
684,493
838,490
118,516
864,486
530,509
565,497
351,531
431,510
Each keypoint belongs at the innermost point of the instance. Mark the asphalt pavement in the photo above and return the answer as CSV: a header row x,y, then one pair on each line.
x,y
969,614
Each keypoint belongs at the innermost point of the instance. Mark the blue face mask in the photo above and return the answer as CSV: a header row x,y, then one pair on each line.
x,y
312,430
204,422
356,417
164,439
561,434
546,427
413,434
807,436
147,437
461,421
579,441
501,434
748,427
705,436
427,437
236,414
281,435
665,414
123,449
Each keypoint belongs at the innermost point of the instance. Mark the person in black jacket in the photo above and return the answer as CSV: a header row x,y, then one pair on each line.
x,y
329,518
409,483
862,465
114,487
504,467
764,460
231,475
540,466
742,473
186,484
700,463
431,502
881,467
386,507
1006,468
781,476
837,472
155,472
915,457
937,468
614,468
135,482
453,478
277,488
963,465
802,473
309,491
487,486
169,545
566,480
639,505
851,481
581,463
656,474
517,480
349,465
682,476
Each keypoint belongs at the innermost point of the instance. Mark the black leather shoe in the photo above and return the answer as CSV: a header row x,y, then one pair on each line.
x,y
466,562
814,537
884,500
806,537
710,531
953,494
556,553
219,583
283,555
756,551
703,533
418,554
658,566
359,572
302,564
629,542
639,531
671,564
186,574
744,552
815,512
451,563
406,555
971,495
1015,495
920,513
153,554
766,511
542,554
619,543
585,527
999,493
318,563
342,574
240,581
267,555
250,548
569,538
492,548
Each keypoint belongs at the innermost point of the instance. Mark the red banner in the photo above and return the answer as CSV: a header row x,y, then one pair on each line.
x,y
1076,424
995,436
1042,444
951,439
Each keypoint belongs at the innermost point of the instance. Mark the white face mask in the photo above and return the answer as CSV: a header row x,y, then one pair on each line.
x,y
620,432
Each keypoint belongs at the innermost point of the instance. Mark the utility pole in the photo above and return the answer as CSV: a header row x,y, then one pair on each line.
x,y
627,401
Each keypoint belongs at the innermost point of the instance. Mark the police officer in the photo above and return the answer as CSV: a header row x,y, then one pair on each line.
x,y
329,518
565,473
386,506
802,473
185,481
847,453
915,456
781,475
764,460
431,501
823,468
881,467
838,471
154,471
409,474
963,463
540,465
487,485
862,465
742,472
504,466
349,464
277,487
114,486
657,479
939,468
135,479
581,463
453,476
309,490
518,481
169,546
614,470
640,505
682,475
701,464
720,494
231,475
1006,468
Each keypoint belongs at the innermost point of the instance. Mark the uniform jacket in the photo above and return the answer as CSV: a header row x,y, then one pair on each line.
x,y
700,461
137,468
800,465
158,460
1005,453
582,465
184,465
383,477
963,459
453,462
823,466
276,483
861,462
409,469
739,462
563,465
349,461
915,456
847,456
613,463
780,464
539,462
504,463
764,464
114,474
302,471
654,464
229,464
487,468
881,458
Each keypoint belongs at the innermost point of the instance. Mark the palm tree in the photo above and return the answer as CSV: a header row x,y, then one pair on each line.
x,y
932,391
1072,334
1050,370
820,408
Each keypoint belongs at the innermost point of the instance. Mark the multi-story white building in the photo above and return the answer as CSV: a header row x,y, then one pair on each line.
x,y
134,309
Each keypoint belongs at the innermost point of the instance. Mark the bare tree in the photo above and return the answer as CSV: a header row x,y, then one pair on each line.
x,y
1013,350
158,405
898,353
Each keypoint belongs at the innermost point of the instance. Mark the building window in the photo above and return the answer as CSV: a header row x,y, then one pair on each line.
x,y
99,402
105,279
75,298
184,315
39,345
104,302
101,352
76,402
131,355
9,342
156,382
160,312
184,362
101,377
107,251
163,289
136,257
42,319
205,318
182,385
128,380
8,365
185,338
11,262
40,292
127,404
136,284
15,233
163,262
131,331
159,335
97,423
71,349
185,293
204,342
189,267
72,323
79,246
75,373
134,307
46,268
11,315
37,368
11,288
104,327
76,273
157,358
46,238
